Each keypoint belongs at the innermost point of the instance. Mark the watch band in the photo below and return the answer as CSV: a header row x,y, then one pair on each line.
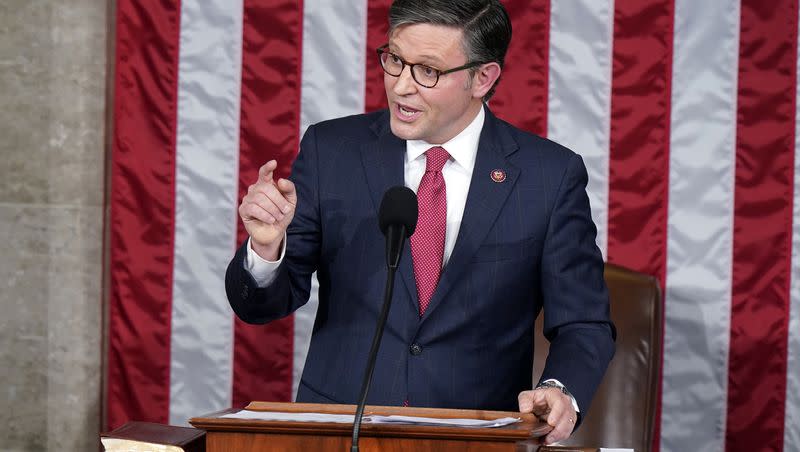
x,y
552,384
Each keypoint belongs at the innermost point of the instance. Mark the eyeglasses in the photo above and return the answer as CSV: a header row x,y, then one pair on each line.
x,y
422,74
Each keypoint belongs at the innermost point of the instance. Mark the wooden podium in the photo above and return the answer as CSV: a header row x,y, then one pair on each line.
x,y
241,435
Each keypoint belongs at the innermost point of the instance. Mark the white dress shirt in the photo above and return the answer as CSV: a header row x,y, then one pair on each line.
x,y
457,173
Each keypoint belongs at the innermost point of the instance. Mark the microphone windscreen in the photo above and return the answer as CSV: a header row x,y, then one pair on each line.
x,y
399,207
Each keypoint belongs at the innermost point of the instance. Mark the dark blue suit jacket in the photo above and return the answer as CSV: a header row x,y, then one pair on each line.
x,y
525,244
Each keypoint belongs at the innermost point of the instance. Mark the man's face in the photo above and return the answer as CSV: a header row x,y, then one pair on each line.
x,y
433,114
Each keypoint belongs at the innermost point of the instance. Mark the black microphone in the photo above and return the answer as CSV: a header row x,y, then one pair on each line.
x,y
397,218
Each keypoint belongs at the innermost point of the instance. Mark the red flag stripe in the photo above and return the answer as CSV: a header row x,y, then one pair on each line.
x,y
142,211
639,139
270,123
377,35
639,156
521,96
762,225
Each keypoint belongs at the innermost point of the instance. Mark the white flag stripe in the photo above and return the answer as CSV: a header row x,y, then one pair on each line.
x,y
333,85
579,92
791,434
700,225
334,43
206,191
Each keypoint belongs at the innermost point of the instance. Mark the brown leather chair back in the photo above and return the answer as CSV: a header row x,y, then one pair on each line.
x,y
623,410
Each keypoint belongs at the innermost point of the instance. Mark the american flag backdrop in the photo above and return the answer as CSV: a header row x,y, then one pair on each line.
x,y
685,112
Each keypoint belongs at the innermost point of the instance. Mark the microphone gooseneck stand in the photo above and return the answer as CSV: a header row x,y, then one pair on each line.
x,y
397,218
373,353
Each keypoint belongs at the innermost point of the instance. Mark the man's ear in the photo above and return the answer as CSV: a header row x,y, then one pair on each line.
x,y
484,78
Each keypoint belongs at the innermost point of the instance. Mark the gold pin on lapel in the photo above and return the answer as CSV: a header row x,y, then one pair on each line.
x,y
498,175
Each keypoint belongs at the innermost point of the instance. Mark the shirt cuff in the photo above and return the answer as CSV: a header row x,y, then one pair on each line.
x,y
560,385
263,271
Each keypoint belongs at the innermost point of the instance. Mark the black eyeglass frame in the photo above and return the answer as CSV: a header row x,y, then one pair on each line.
x,y
385,49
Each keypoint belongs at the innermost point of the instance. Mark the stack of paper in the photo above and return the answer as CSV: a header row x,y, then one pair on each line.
x,y
370,419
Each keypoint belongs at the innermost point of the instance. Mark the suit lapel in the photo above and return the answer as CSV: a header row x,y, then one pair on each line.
x,y
383,162
484,202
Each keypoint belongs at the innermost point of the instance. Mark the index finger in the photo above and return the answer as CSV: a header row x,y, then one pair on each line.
x,y
266,170
539,400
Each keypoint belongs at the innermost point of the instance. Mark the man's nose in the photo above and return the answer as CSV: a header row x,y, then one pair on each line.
x,y
405,82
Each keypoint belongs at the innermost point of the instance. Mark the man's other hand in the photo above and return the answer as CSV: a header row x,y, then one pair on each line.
x,y
551,406
266,211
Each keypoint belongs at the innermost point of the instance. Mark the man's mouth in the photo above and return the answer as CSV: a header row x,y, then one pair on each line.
x,y
407,113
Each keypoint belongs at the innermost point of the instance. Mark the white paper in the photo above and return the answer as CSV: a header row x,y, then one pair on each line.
x,y
293,417
370,419
476,423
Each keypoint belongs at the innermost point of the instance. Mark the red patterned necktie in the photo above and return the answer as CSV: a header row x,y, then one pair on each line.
x,y
427,243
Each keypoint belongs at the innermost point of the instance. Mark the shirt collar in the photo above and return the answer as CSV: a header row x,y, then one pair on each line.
x,y
462,148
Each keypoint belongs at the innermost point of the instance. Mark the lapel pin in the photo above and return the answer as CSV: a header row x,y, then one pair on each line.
x,y
498,175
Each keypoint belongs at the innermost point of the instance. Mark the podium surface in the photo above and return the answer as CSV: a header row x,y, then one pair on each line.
x,y
245,435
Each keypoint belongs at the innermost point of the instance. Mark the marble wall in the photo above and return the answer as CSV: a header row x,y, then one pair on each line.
x,y
53,64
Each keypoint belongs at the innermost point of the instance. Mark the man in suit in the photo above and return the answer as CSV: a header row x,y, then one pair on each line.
x,y
504,232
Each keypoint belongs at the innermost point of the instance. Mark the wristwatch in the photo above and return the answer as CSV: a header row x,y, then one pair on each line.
x,y
553,384
563,389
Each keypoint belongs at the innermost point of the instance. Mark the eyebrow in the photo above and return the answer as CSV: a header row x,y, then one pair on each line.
x,y
423,59
430,59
